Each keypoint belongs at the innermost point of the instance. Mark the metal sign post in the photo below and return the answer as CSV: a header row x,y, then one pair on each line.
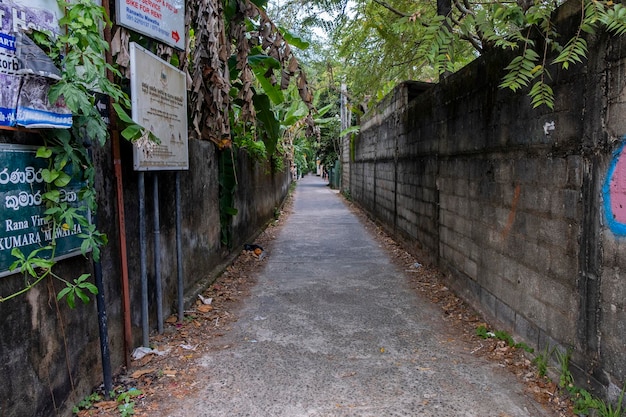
x,y
159,103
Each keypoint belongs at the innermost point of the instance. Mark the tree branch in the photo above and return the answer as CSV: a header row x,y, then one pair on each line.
x,y
391,8
474,40
464,10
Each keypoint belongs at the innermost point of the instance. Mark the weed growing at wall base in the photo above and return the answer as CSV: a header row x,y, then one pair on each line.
x,y
585,404
87,402
347,195
542,361
127,405
483,332
124,400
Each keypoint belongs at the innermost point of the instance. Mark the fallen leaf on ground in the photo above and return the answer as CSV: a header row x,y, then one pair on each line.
x,y
204,308
106,405
141,372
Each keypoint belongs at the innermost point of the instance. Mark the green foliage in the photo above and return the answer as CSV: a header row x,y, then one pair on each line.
x,y
439,47
380,43
79,289
542,360
227,188
350,130
84,67
278,164
522,69
574,51
87,402
535,58
542,94
80,52
566,379
270,132
270,102
353,139
608,410
377,48
30,265
294,40
303,155
614,18
279,112
261,66
127,405
502,335
483,332
124,398
255,148
586,404
584,401
132,131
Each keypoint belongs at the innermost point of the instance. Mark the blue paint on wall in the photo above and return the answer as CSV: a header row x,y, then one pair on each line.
x,y
616,227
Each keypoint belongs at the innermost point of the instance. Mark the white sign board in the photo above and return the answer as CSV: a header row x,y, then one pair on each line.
x,y
163,20
159,103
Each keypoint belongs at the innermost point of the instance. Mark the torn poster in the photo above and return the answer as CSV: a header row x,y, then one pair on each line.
x,y
9,80
35,110
17,16
39,73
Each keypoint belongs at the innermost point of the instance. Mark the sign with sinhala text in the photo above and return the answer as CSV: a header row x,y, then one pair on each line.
x,y
163,20
159,103
22,219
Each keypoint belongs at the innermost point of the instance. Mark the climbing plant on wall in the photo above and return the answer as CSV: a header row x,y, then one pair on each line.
x,y
80,53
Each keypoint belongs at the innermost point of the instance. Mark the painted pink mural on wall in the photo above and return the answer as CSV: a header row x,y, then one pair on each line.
x,y
614,192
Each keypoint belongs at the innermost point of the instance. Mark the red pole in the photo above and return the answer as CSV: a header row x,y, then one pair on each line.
x,y
117,165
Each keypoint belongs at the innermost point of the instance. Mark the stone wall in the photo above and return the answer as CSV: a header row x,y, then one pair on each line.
x,y
50,354
520,207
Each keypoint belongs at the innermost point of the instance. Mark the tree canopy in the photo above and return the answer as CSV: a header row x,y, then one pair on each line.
x,y
374,44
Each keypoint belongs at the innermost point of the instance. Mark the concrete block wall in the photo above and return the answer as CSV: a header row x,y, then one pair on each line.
x,y
608,276
498,228
513,203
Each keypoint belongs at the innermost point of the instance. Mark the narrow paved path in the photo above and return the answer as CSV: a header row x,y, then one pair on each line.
x,y
333,329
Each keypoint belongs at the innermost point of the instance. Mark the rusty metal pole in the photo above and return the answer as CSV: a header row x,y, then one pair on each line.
x,y
121,218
